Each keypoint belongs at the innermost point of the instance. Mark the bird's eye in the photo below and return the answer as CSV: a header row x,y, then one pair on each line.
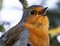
x,y
32,12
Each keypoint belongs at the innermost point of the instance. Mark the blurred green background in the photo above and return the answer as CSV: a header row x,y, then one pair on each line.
x,y
54,19
54,29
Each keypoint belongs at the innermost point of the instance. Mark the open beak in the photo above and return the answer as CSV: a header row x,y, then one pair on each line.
x,y
45,9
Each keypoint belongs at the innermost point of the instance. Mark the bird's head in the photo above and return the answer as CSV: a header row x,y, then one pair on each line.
x,y
36,16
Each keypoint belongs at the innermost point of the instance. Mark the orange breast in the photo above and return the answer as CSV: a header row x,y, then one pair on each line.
x,y
38,28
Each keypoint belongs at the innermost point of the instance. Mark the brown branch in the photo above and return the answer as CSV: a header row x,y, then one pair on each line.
x,y
24,3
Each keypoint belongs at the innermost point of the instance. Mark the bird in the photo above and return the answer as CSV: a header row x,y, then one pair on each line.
x,y
32,30
37,24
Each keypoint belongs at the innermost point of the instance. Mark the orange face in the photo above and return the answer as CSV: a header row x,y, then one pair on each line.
x,y
36,18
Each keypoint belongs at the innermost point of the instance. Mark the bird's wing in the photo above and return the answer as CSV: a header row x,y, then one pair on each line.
x,y
13,35
23,39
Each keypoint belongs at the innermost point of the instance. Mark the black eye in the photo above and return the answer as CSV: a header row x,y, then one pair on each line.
x,y
32,12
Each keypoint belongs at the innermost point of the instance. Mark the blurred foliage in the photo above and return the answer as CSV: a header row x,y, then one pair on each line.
x,y
54,19
54,42
54,16
1,28
54,32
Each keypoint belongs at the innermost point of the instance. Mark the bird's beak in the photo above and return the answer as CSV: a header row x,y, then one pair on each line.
x,y
45,9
